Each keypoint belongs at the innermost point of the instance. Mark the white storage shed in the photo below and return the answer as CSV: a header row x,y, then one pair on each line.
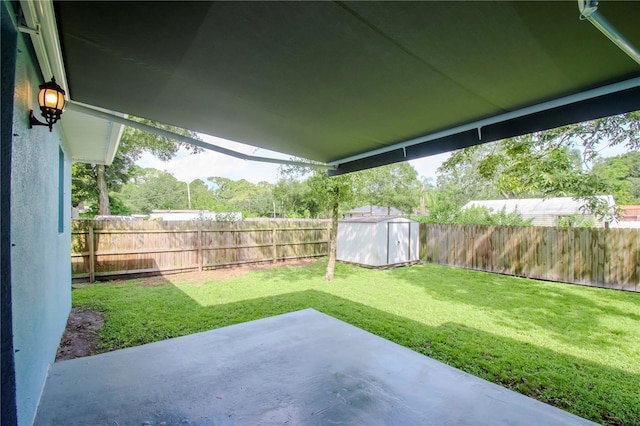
x,y
378,241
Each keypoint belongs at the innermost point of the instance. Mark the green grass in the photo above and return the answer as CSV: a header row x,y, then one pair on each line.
x,y
577,348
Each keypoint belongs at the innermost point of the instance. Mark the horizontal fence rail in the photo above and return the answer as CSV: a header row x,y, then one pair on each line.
x,y
607,258
110,248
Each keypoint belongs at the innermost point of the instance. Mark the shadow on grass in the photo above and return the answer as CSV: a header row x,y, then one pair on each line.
x,y
585,388
308,273
524,304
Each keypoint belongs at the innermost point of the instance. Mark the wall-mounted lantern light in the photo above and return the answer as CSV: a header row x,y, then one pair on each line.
x,y
51,101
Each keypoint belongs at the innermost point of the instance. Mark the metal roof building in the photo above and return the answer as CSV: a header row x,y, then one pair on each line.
x,y
544,212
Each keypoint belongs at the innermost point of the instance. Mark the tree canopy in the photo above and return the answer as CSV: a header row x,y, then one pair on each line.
x,y
556,162
551,163
154,189
621,175
93,183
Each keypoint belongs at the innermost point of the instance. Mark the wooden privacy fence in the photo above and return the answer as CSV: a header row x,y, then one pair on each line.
x,y
113,248
596,257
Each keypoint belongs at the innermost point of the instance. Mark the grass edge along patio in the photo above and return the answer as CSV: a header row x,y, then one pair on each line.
x,y
574,347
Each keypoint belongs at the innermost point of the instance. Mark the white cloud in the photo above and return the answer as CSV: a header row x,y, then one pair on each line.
x,y
427,166
187,167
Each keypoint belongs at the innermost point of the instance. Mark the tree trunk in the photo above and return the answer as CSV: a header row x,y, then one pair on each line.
x,y
328,276
103,198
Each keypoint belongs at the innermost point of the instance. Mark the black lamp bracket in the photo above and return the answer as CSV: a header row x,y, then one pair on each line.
x,y
33,121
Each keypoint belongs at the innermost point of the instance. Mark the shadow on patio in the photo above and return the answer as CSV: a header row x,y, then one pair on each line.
x,y
288,369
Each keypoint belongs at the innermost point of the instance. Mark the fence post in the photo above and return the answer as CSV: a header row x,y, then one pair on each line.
x,y
274,249
199,252
92,254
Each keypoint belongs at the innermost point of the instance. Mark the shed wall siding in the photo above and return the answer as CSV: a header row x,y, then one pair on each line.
x,y
367,243
40,273
359,243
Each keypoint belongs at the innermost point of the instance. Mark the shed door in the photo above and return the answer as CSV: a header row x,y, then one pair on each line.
x,y
398,242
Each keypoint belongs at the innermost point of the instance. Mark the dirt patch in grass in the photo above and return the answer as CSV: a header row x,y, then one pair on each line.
x,y
80,337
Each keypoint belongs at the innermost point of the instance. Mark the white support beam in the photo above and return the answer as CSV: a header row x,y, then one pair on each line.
x,y
105,115
589,11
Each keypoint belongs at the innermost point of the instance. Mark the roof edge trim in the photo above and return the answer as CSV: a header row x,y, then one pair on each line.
x,y
478,125
590,109
43,31
40,16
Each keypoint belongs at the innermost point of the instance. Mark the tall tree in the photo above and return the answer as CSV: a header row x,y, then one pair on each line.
x,y
261,201
241,195
621,175
331,192
549,163
427,195
93,182
200,194
154,189
395,185
461,178
296,197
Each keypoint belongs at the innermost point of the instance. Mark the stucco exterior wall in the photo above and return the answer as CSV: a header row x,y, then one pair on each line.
x,y
40,272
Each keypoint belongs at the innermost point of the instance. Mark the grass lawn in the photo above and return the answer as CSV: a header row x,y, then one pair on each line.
x,y
577,348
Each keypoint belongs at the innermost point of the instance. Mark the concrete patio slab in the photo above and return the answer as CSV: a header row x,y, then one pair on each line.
x,y
299,368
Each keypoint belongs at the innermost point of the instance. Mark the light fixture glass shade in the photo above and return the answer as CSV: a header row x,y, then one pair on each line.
x,y
51,101
51,96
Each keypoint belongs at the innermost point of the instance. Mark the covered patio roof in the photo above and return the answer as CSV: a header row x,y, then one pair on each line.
x,y
351,84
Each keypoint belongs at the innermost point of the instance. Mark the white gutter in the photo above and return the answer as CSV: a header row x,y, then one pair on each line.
x,y
600,91
41,26
106,115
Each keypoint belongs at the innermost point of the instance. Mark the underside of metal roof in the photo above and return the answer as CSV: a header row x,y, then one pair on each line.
x,y
352,84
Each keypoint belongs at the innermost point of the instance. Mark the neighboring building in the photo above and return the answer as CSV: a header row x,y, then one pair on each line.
x,y
543,212
629,213
171,215
629,218
378,241
116,217
77,210
377,211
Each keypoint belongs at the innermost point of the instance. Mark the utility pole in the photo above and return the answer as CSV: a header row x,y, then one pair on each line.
x,y
188,196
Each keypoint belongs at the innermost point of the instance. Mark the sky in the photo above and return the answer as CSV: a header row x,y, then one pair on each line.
x,y
187,167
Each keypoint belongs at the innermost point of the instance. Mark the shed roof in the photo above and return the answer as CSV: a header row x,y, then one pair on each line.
x,y
531,206
376,219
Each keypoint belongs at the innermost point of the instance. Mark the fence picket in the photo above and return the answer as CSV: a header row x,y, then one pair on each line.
x,y
594,257
115,248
